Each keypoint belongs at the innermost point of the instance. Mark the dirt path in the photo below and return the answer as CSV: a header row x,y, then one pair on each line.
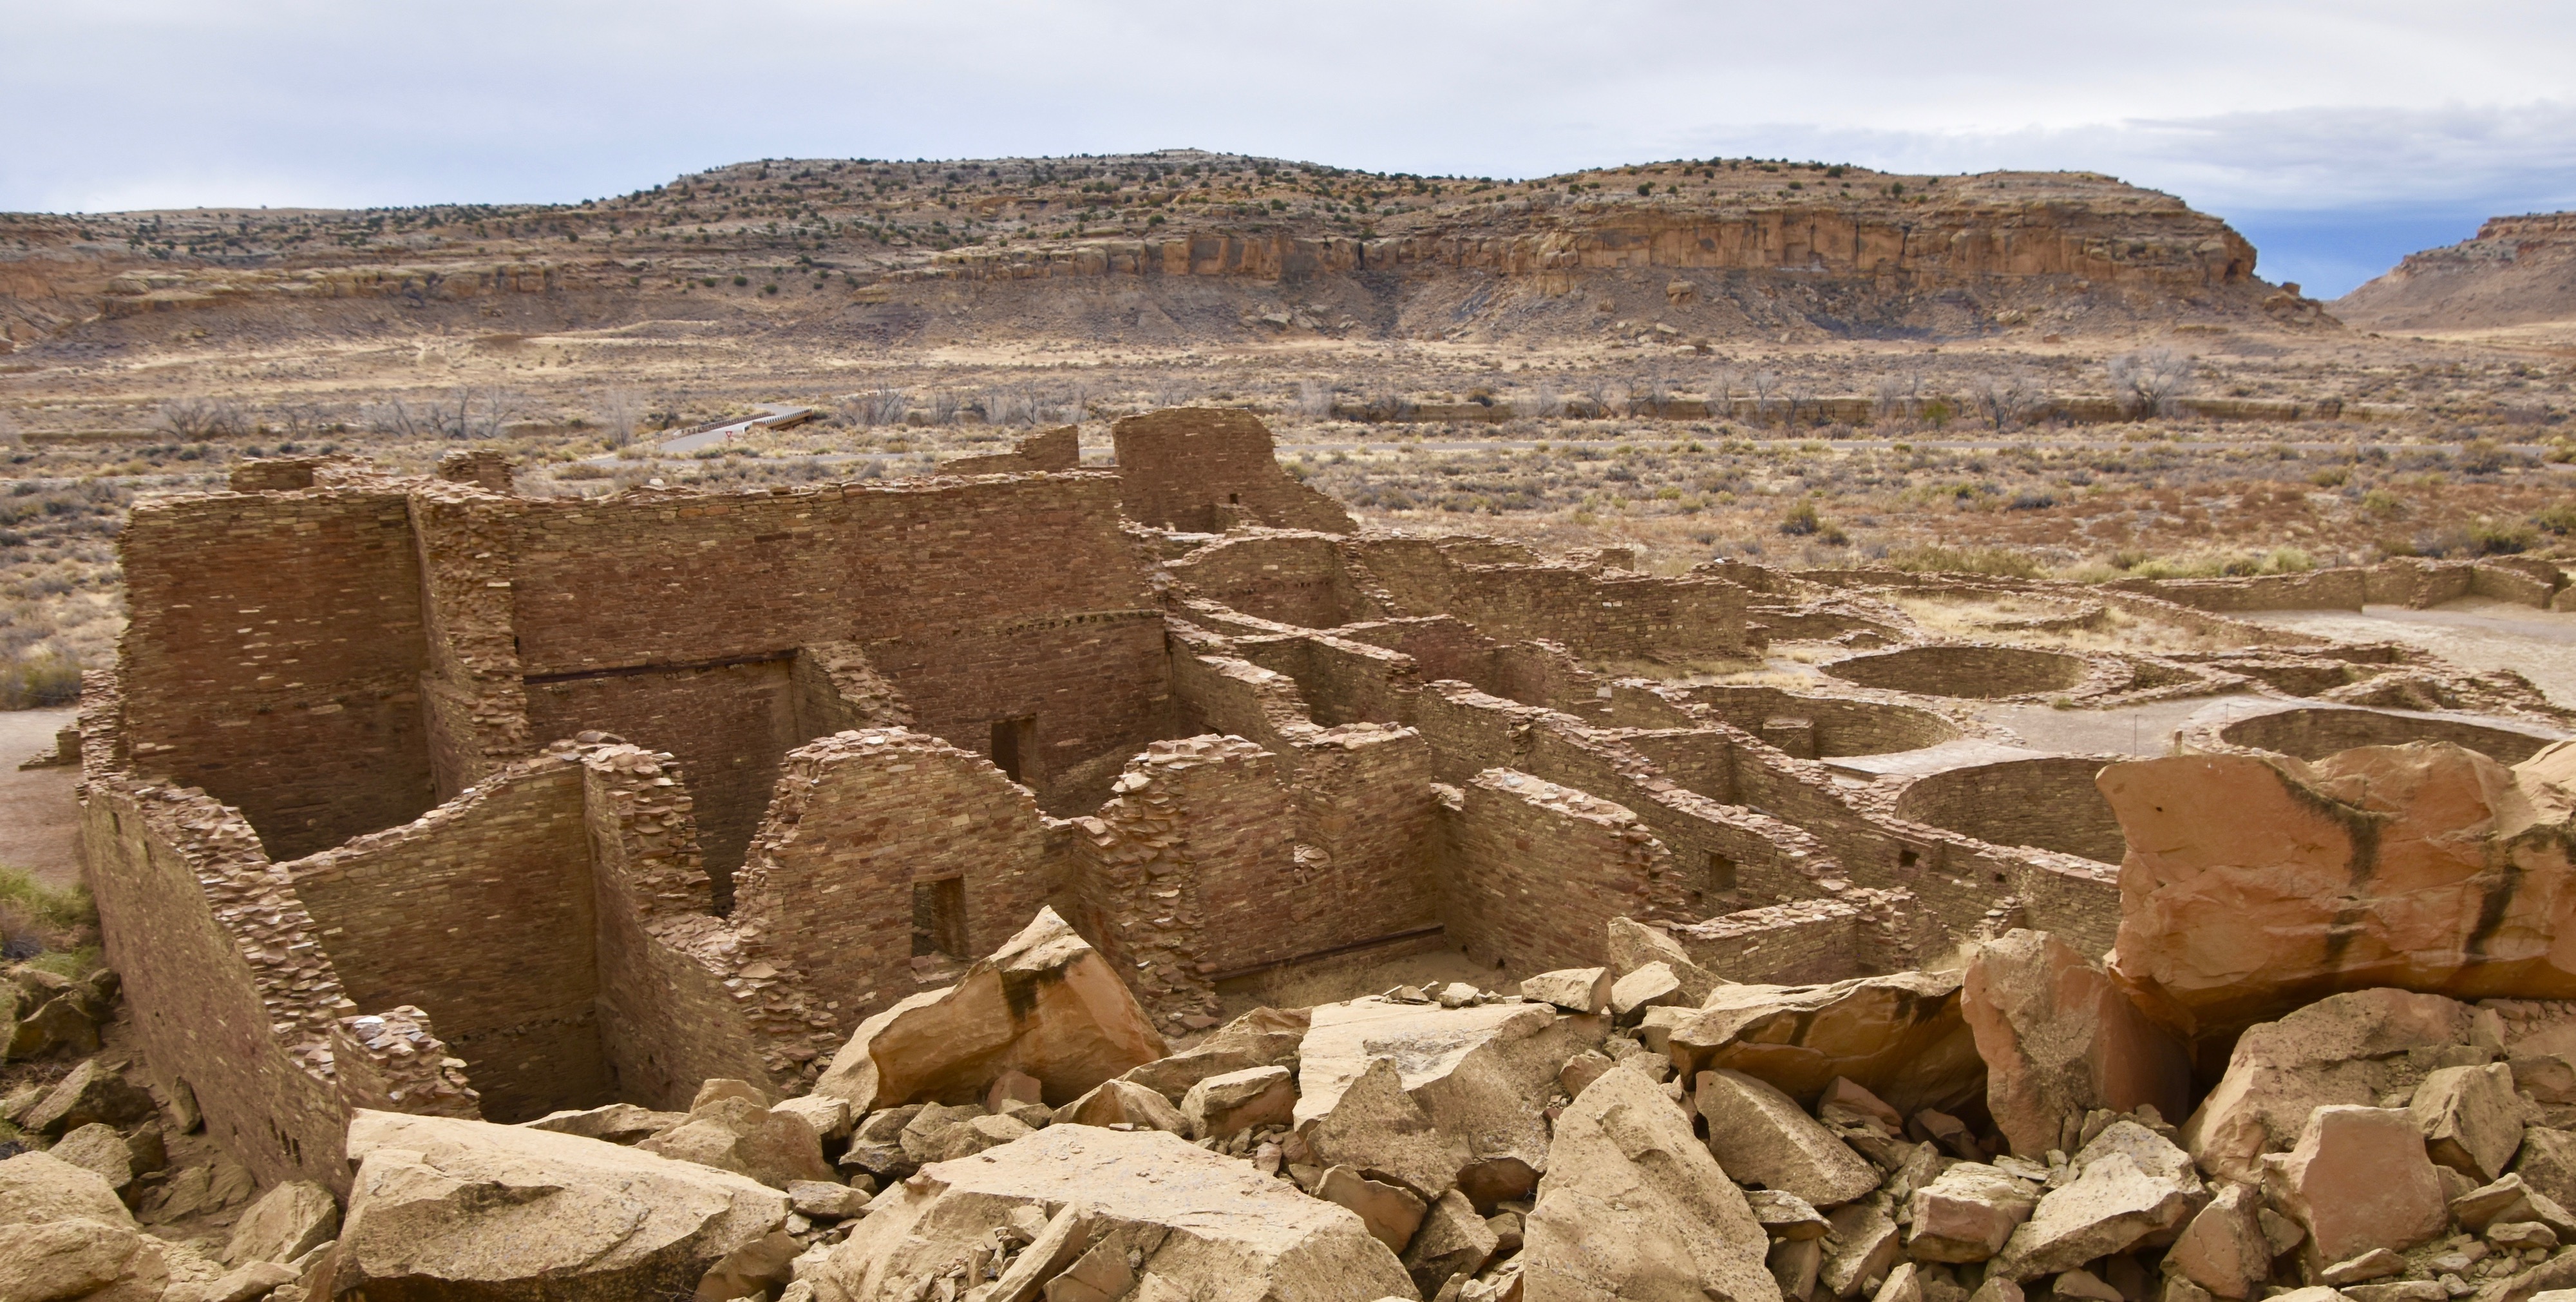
x,y
2474,632
39,823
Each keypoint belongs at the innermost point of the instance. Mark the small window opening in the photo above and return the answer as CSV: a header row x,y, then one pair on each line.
x,y
939,918
1721,873
1014,744
1907,858
1234,499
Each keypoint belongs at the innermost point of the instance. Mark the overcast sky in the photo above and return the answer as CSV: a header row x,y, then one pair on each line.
x,y
2338,134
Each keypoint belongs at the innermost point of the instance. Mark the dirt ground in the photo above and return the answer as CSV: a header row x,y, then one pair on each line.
x,y
2474,632
39,823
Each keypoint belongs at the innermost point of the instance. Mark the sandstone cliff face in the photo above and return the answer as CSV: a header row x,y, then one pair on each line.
x,y
1212,248
2519,270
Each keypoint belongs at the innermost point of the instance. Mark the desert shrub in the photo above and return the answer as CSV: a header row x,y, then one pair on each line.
x,y
1965,560
36,919
2330,476
2559,518
1801,520
2501,537
36,680
2379,501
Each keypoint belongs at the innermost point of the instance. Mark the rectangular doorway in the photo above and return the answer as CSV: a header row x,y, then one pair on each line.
x,y
939,918
1015,747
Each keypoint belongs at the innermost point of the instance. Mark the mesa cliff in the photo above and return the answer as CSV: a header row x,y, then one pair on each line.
x,y
2518,271
1180,246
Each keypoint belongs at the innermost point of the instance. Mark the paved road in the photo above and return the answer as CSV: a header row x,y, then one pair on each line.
x,y
771,412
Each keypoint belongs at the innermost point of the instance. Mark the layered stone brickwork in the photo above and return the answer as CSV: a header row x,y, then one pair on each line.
x,y
1537,871
1055,449
1611,615
1180,466
392,1062
2049,802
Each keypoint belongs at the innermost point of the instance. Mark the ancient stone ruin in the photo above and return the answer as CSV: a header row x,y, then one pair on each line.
x,y
844,890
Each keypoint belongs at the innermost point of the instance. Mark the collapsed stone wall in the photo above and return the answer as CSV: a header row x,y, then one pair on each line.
x,y
1055,449
481,912
1188,468
1535,872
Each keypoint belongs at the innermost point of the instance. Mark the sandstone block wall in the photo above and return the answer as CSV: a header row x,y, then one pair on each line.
x,y
1806,942
1298,579
2051,803
1536,872
482,914
1181,464
1612,615
273,658
1055,449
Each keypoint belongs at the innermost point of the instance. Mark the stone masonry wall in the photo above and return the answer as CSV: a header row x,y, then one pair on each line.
x,y
1540,869
1297,579
481,913
1181,464
273,658
860,820
1600,615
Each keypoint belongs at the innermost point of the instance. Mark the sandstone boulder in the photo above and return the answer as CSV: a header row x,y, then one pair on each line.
x,y
2255,885
1223,1106
1460,1088
1900,1037
733,1133
1784,1215
2060,1038
1452,1240
829,1118
1574,989
464,1210
1651,986
1761,1136
944,1134
876,1143
1633,945
2338,1050
2358,1179
90,1093
617,1123
2470,1118
1264,1037
1119,1102
1046,1004
2547,1162
1862,1245
1152,1215
2223,1249
1633,1208
2130,1184
1966,1213
62,1231
99,1150
1391,1211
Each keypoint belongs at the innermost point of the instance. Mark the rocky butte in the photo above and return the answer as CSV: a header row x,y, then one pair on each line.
x,y
867,892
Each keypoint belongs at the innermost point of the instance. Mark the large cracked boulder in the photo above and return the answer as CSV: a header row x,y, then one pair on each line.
x,y
468,1211
2357,1180
2255,885
1045,1004
63,1233
743,1136
1435,1097
1761,1136
2061,1039
1138,1214
1899,1036
1634,1208
2131,1185
1264,1037
2343,1049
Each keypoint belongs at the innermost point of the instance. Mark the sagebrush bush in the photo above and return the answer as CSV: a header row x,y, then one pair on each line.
x,y
34,681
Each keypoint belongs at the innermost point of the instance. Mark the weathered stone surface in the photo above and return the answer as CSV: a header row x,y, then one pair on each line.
x,y
1574,989
1900,1037
944,1134
2547,1162
1391,1211
1452,1240
1582,1069
99,1150
1651,986
287,1222
1633,1208
1844,1103
2325,1053
1045,1003
62,1231
468,1210
89,1093
2255,885
2223,1249
876,1142
1795,1264
1633,945
829,1118
1222,1106
1862,1244
824,1200
1120,1102
2470,1117
1760,1136
618,1123
1473,1084
2059,1037
1785,1215
2358,1179
1264,1037
733,1133
1966,1213
2130,1184
1198,1225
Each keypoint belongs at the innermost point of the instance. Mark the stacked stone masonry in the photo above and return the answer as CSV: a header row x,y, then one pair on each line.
x,y
420,794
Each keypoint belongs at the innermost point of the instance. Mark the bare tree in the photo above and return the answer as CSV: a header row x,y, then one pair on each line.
x,y
1597,391
1649,396
1798,398
1174,391
1721,390
944,404
200,417
298,421
1547,403
2150,383
620,410
1893,401
2004,400
1765,383
10,435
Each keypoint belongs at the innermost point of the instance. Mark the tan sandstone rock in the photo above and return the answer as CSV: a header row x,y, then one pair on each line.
x,y
2337,1050
1452,1092
1633,1208
2059,1037
1574,989
288,1221
1900,1037
1046,1003
2130,1184
1966,1213
1633,945
1264,1037
733,1133
2358,1179
1761,1136
1121,1102
2255,885
2223,1249
62,1231
1391,1211
2470,1118
2547,1162
618,1123
1177,1222
1225,1105
1452,1240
